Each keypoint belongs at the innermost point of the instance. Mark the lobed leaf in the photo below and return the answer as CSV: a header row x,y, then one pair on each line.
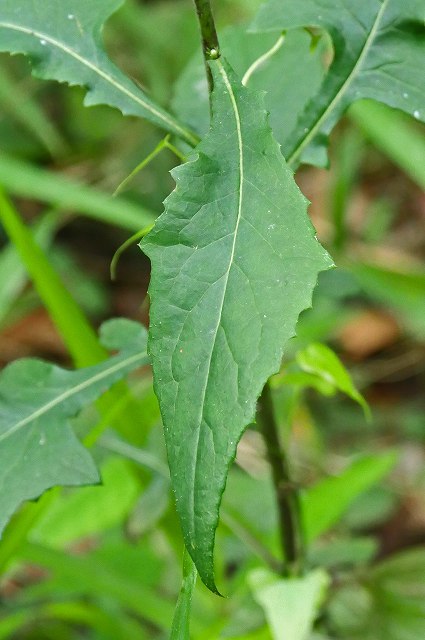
x,y
63,41
38,448
234,262
379,48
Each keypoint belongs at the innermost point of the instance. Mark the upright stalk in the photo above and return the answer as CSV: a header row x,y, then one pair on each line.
x,y
210,45
287,498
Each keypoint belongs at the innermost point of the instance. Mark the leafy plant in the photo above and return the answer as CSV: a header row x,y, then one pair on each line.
x,y
377,53
235,261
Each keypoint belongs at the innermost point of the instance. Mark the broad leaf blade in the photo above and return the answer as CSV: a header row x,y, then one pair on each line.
x,y
379,48
64,43
234,262
38,448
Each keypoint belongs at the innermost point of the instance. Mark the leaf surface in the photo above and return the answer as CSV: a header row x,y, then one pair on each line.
x,y
234,262
379,48
63,41
38,448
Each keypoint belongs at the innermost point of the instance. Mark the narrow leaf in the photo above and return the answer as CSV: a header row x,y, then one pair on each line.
x,y
234,262
325,503
38,449
402,291
395,135
25,110
379,48
99,508
63,41
13,276
22,179
77,332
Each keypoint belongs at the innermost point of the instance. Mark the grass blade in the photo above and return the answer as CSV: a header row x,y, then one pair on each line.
x,y
19,178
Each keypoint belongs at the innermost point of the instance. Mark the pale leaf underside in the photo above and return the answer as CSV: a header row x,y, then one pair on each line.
x,y
234,262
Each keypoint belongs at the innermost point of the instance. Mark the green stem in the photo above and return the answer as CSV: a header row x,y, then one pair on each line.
x,y
181,620
286,493
124,246
122,185
210,44
164,144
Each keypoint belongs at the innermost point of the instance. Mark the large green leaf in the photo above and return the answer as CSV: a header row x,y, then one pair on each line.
x,y
63,42
379,48
38,448
234,262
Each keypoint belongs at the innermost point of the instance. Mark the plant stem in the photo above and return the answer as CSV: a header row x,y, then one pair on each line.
x,y
210,45
286,493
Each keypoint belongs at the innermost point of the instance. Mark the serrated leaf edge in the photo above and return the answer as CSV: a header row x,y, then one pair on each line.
x,y
170,123
315,129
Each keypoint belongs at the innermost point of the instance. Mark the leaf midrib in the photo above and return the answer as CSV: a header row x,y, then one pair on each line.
x,y
168,120
340,93
122,364
232,254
